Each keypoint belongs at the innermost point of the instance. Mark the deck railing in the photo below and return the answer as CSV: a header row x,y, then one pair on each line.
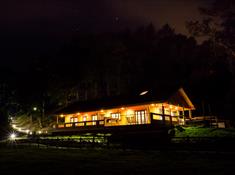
x,y
151,118
81,124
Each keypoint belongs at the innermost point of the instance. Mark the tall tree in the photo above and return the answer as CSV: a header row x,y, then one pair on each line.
x,y
218,24
218,29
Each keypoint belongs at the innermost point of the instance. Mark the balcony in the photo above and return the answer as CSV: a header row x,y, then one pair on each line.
x,y
81,124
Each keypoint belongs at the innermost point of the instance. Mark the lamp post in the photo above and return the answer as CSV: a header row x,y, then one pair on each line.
x,y
34,109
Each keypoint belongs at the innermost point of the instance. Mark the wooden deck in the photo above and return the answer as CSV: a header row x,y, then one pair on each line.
x,y
141,128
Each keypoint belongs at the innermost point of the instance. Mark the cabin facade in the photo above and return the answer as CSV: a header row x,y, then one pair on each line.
x,y
146,108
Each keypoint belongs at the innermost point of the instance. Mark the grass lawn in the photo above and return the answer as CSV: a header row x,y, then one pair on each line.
x,y
35,161
206,132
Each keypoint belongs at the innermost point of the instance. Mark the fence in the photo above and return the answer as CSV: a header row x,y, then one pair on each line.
x,y
94,141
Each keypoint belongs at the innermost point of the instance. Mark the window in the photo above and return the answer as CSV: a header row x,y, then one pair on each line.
x,y
157,117
167,111
116,116
84,118
174,113
159,110
73,119
140,117
94,118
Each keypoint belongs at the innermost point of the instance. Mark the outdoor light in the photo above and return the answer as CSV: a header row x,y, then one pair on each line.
x,y
12,136
144,92
34,108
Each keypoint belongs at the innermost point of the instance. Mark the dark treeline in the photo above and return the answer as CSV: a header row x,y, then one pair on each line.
x,y
96,66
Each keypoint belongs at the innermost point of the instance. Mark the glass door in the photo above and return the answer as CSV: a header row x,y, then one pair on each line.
x,y
94,118
140,117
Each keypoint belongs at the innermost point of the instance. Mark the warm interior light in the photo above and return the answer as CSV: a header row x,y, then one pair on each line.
x,y
129,113
84,118
61,115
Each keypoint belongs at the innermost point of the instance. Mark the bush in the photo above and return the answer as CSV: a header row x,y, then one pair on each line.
x,y
180,128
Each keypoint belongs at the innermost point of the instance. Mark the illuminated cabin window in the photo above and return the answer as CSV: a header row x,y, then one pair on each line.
x,y
116,116
94,118
174,113
73,119
167,118
157,117
131,119
140,117
167,111
84,118
68,125
159,110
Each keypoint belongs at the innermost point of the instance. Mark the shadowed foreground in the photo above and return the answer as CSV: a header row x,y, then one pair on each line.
x,y
104,161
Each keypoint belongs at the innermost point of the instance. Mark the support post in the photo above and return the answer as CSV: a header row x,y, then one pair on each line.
x,y
183,116
43,113
170,118
163,114
57,119
190,114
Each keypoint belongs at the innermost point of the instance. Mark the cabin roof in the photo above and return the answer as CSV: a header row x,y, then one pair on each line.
x,y
177,97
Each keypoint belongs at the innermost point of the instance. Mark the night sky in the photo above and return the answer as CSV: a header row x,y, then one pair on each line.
x,y
32,27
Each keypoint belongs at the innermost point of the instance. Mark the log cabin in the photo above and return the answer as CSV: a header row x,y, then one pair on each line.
x,y
146,109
